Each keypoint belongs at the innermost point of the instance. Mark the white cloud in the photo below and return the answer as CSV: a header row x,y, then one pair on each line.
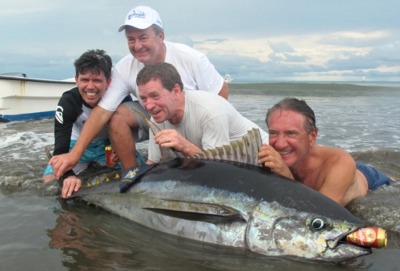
x,y
261,40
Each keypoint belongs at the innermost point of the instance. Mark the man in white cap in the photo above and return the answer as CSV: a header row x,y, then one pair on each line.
x,y
145,35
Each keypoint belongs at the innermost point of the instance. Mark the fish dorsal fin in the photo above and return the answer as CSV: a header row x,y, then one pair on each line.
x,y
244,150
167,154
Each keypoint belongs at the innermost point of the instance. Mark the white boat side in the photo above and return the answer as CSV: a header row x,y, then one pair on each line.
x,y
23,98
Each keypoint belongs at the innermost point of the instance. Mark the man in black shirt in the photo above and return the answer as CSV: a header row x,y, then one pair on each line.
x,y
92,76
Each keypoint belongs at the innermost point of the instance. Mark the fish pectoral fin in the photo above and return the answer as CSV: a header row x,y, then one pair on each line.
x,y
206,212
210,218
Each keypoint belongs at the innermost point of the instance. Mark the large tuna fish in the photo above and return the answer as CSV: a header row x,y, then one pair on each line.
x,y
232,204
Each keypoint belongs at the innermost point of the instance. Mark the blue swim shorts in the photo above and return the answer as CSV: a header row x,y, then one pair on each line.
x,y
374,177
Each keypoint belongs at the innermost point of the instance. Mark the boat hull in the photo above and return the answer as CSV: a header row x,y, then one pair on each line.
x,y
24,98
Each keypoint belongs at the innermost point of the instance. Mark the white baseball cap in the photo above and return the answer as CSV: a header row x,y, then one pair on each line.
x,y
141,17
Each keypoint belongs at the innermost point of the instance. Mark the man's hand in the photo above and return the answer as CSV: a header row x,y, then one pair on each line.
x,y
62,163
48,178
70,185
170,138
269,157
114,160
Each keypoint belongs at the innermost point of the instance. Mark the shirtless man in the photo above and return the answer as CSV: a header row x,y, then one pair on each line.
x,y
292,152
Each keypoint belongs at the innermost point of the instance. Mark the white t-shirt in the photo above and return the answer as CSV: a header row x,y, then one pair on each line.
x,y
195,69
209,121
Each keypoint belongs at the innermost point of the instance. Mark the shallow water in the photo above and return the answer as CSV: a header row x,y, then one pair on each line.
x,y
39,232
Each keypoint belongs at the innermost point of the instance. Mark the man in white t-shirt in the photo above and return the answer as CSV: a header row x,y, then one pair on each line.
x,y
190,121
145,36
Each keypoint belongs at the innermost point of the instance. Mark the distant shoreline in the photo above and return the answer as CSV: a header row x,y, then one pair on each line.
x,y
341,83
310,88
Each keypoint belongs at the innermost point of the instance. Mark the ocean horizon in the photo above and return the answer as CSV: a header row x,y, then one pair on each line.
x,y
328,82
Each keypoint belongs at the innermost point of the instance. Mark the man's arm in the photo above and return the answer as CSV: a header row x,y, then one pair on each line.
x,y
169,138
224,92
97,120
208,78
339,182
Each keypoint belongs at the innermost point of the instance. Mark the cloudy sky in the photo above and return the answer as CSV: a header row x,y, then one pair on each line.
x,y
252,40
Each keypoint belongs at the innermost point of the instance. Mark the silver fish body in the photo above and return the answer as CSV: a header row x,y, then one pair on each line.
x,y
234,204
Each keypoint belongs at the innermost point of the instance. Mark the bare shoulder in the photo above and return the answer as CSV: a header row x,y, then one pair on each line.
x,y
333,155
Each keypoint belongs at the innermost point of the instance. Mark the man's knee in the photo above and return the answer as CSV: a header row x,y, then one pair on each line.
x,y
122,116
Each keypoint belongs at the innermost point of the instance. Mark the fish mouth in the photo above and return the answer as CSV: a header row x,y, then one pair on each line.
x,y
339,248
344,246
340,239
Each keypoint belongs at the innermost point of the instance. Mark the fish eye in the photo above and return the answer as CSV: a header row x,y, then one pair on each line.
x,y
317,224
